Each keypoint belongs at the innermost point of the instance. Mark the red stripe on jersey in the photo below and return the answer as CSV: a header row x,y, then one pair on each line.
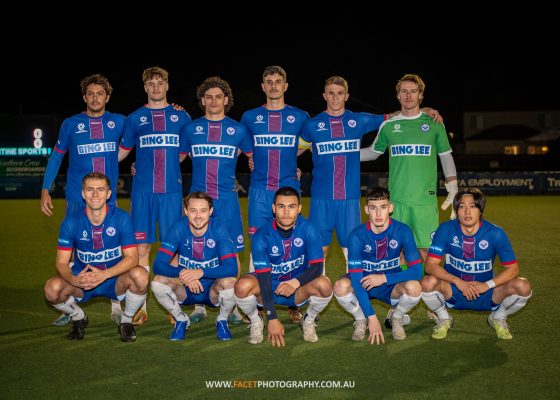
x,y
339,178
159,171
274,122
509,262
95,128
124,148
98,164
319,260
272,179
128,246
410,264
355,271
158,121
198,248
59,151
227,256
212,178
64,248
168,252
337,129
215,132
262,271
435,256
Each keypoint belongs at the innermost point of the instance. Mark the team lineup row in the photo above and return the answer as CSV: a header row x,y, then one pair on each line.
x,y
272,136
288,261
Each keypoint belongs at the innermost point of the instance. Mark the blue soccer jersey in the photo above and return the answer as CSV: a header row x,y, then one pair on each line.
x,y
92,144
100,246
156,135
336,152
286,258
471,258
274,138
212,252
213,147
379,253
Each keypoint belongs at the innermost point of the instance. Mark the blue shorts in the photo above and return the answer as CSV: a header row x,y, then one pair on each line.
x,y
383,293
202,297
458,301
260,208
228,213
106,289
342,215
149,209
281,300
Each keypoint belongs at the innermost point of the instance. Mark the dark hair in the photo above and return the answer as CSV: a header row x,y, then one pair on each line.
x,y
96,79
478,196
215,82
286,191
378,193
198,195
275,69
96,175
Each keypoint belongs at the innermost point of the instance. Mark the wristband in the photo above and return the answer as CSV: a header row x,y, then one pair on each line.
x,y
491,284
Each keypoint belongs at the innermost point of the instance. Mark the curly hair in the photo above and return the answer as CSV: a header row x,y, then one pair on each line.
x,y
96,79
214,82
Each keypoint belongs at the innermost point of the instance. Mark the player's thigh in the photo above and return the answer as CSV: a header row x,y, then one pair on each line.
x,y
322,213
170,210
227,212
260,208
347,219
143,216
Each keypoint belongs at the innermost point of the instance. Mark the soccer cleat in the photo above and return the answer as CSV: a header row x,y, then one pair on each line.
x,y
62,320
397,328
171,319
360,327
78,329
197,315
127,332
257,332
501,327
180,330
442,327
235,317
309,333
295,315
140,317
222,330
116,316
387,322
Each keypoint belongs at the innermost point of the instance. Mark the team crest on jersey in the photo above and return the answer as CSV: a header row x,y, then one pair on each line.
x,y
81,128
367,248
240,239
84,236
259,119
352,123
111,124
291,119
275,250
425,127
199,130
483,244
143,120
393,244
321,127
397,128
298,242
111,231
230,130
174,118
210,243
455,241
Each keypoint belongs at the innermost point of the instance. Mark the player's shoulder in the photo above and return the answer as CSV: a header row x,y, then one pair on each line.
x,y
488,226
253,112
138,112
294,110
399,226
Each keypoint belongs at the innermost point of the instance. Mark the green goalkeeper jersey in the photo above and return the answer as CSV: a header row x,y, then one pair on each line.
x,y
413,143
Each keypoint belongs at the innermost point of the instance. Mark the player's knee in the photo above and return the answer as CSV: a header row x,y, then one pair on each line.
x,y
139,277
226,283
324,286
522,286
243,287
143,250
429,283
52,289
342,287
413,288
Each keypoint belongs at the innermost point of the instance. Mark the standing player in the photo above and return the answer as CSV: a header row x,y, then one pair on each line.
x,y
106,260
92,139
467,281
275,128
207,268
214,143
413,140
374,270
288,261
157,189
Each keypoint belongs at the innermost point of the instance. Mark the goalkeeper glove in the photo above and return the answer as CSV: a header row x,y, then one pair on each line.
x,y
452,189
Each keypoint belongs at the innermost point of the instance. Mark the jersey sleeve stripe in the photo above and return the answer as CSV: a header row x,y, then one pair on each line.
x,y
128,246
355,271
64,248
509,262
125,148
59,151
168,252
411,263
435,256
319,260
262,271
227,256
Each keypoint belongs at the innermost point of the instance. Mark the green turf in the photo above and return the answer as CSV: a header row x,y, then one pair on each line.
x,y
36,360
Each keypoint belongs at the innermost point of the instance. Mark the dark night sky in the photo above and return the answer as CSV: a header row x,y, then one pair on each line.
x,y
47,81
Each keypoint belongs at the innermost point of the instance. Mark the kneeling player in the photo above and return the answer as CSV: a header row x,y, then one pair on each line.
x,y
207,266
374,270
105,260
470,245
288,260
